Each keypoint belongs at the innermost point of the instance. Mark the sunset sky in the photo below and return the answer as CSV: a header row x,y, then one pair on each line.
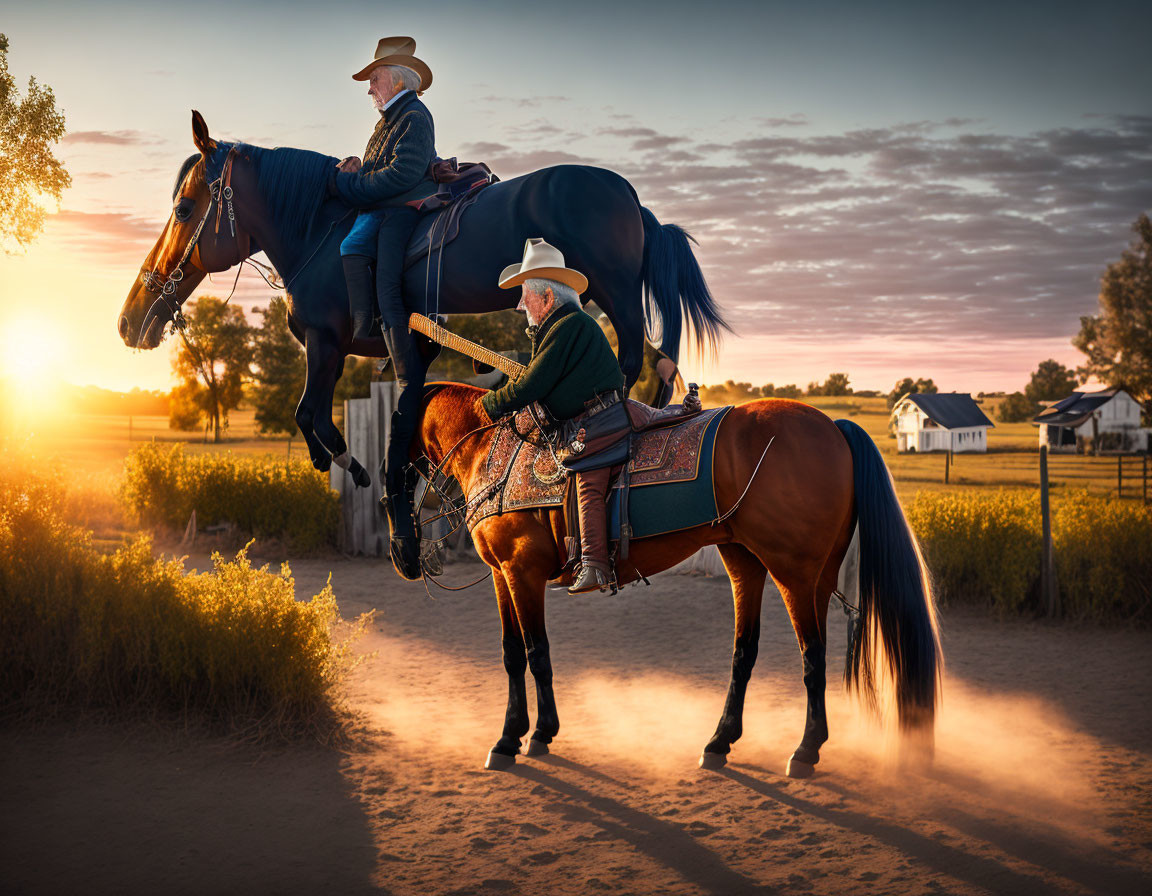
x,y
886,189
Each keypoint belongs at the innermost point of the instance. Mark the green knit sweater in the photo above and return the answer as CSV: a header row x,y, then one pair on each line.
x,y
571,363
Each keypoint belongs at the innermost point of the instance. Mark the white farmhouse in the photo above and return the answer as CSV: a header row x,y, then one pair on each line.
x,y
940,421
1107,421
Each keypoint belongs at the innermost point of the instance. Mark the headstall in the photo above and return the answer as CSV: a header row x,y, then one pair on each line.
x,y
220,189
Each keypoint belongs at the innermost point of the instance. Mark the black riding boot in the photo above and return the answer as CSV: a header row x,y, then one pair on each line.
x,y
404,545
361,293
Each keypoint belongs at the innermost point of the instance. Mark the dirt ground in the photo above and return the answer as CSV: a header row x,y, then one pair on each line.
x,y
1042,781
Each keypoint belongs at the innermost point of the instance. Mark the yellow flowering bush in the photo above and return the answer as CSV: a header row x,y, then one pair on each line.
x,y
125,631
986,548
261,496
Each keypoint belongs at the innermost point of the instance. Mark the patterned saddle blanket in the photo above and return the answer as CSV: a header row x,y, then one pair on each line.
x,y
518,475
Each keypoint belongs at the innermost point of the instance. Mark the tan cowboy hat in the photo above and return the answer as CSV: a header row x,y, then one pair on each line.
x,y
397,51
542,261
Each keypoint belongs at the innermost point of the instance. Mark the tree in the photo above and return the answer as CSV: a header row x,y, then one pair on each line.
x,y
836,384
1118,340
184,409
356,380
213,361
1016,408
29,126
1051,381
906,385
279,371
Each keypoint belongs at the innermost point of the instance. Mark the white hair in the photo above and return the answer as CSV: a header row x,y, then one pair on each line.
x,y
408,78
565,295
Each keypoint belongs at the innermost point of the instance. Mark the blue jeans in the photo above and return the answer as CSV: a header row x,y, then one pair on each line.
x,y
382,235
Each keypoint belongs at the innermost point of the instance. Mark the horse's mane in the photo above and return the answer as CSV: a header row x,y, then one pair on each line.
x,y
292,182
189,163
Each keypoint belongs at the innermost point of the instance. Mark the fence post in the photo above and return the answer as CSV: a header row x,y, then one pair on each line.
x,y
1145,495
947,464
1049,596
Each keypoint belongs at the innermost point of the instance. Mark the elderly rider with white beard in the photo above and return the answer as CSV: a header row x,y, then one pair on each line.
x,y
572,367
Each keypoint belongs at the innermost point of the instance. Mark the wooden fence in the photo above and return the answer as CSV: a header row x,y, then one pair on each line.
x,y
367,422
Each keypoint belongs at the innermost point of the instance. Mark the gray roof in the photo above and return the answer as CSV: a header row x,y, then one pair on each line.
x,y
1075,409
951,410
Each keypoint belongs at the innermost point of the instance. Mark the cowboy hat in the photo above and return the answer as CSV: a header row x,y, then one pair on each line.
x,y
542,261
397,51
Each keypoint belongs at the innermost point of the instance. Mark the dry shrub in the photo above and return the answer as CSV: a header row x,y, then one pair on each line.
x,y
127,632
985,549
261,496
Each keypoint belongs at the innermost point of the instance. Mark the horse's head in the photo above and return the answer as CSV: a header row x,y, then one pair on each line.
x,y
198,239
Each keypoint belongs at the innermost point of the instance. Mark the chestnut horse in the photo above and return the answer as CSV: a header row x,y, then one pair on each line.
x,y
233,200
795,523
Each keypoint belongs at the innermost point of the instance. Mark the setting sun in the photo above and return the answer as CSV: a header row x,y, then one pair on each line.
x,y
32,352
32,368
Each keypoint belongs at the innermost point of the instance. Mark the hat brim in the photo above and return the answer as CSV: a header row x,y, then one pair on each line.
x,y
417,65
513,276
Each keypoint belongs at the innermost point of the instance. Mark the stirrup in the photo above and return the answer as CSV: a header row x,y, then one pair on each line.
x,y
591,578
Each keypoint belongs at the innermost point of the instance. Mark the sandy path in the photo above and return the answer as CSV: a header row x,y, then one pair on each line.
x,y
1043,778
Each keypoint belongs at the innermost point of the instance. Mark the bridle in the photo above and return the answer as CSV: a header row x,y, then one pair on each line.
x,y
434,485
220,189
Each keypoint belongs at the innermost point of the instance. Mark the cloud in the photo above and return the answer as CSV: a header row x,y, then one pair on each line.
x,y
113,138
796,119
117,237
531,102
907,229
508,162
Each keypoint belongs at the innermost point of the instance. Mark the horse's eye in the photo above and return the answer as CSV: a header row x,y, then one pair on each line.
x,y
183,211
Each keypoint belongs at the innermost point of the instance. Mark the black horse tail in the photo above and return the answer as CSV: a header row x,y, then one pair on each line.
x,y
896,637
674,287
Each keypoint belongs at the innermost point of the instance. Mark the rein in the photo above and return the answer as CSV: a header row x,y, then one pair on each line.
x,y
437,471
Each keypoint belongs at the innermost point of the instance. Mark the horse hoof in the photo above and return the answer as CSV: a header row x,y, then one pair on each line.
x,y
536,748
362,478
499,762
712,761
798,768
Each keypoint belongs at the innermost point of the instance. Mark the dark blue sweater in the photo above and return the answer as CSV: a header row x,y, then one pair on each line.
x,y
396,160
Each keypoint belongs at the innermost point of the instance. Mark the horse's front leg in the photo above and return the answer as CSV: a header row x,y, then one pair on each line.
x,y
527,587
325,365
503,755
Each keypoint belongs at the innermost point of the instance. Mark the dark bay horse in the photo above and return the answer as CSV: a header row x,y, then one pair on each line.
x,y
795,524
639,271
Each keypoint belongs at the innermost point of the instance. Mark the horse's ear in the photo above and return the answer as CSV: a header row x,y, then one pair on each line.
x,y
200,137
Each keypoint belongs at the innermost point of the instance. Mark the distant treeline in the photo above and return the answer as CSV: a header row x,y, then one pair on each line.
x,y
94,400
732,392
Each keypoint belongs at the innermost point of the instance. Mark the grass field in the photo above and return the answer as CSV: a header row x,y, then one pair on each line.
x,y
90,450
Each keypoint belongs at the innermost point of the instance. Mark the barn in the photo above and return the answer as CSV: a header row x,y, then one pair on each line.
x,y
940,421
1093,421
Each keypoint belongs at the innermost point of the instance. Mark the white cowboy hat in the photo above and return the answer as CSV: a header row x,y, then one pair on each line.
x,y
542,261
397,51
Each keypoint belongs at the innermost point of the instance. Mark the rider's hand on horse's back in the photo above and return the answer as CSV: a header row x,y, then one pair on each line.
x,y
350,164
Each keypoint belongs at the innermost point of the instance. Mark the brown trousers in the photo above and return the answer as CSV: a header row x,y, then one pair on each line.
x,y
591,490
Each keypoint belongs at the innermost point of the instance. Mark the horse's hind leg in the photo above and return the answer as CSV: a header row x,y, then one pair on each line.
x,y
807,603
314,414
747,574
